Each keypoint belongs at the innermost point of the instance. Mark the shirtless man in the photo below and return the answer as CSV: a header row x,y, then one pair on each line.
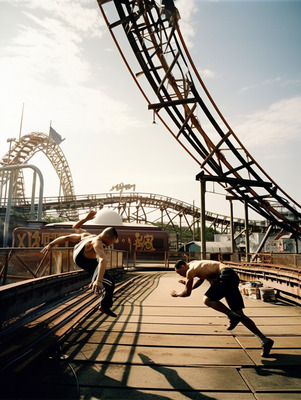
x,y
224,284
89,255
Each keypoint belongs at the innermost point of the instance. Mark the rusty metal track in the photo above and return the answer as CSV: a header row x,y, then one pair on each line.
x,y
183,104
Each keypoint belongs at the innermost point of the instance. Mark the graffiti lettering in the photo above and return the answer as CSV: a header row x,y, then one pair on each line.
x,y
144,243
120,187
21,239
48,237
36,239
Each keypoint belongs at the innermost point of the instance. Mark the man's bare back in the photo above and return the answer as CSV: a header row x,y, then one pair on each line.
x,y
204,269
199,269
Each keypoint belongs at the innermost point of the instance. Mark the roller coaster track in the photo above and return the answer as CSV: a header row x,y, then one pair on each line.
x,y
140,208
22,151
181,101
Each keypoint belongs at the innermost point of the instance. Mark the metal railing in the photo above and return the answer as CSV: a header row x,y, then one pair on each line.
x,y
278,270
18,264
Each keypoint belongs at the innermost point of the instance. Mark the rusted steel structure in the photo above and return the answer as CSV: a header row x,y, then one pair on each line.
x,y
183,104
181,101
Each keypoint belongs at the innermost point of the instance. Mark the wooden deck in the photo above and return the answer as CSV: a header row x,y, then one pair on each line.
x,y
160,347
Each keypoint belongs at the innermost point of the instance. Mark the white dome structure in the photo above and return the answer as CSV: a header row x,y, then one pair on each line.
x,y
107,217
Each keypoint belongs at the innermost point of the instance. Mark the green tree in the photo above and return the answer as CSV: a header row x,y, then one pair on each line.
x,y
187,235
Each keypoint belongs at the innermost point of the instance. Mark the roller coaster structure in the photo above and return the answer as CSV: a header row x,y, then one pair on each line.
x,y
131,206
180,100
21,152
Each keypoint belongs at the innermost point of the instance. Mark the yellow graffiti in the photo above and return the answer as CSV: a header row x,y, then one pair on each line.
x,y
144,243
21,239
36,239
121,186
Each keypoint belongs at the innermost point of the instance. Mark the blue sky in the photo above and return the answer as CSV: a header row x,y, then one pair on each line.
x,y
58,58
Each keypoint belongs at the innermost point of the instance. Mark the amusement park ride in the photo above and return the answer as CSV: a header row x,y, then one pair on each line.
x,y
180,97
167,78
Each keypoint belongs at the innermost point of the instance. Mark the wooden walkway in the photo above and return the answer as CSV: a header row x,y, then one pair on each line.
x,y
160,347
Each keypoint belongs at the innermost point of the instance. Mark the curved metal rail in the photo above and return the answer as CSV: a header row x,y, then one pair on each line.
x,y
183,104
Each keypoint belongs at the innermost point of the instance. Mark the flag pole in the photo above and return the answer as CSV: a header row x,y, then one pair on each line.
x,y
21,123
48,142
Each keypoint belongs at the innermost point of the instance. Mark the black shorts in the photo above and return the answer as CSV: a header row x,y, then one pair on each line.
x,y
87,264
226,286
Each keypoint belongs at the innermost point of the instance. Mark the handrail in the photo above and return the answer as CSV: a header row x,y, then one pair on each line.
x,y
9,200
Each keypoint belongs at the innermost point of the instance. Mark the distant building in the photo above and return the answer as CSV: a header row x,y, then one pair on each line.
x,y
131,237
217,250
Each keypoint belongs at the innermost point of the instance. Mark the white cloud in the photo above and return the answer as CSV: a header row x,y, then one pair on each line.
x,y
207,73
281,81
78,14
50,54
45,68
275,125
55,67
54,40
187,9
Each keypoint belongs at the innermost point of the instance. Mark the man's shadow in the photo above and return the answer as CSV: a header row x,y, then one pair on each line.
x,y
175,380
286,365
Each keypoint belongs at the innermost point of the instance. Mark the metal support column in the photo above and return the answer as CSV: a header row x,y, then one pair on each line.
x,y
232,227
8,208
247,230
203,224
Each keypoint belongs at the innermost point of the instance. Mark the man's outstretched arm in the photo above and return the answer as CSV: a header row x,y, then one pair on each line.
x,y
97,285
73,237
186,292
196,285
77,226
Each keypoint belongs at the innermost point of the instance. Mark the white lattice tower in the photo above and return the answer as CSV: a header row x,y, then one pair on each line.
x,y
23,150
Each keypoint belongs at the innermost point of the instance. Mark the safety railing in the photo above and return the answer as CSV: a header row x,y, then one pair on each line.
x,y
18,264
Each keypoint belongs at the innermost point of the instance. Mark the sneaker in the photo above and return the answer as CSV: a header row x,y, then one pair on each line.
x,y
266,348
234,320
107,311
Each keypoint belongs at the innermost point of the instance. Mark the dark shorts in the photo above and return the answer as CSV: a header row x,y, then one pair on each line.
x,y
90,265
226,286
87,264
